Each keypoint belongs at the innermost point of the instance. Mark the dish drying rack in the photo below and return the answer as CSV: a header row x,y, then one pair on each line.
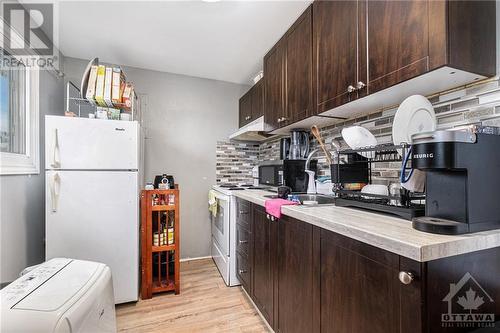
x,y
81,106
355,166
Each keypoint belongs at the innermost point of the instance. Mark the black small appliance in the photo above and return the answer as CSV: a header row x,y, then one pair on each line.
x,y
159,178
462,179
271,173
295,176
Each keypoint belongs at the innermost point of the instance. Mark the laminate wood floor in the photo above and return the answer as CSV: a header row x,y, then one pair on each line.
x,y
205,304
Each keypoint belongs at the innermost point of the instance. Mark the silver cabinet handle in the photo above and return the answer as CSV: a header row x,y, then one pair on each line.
x,y
242,212
351,89
268,216
243,241
406,277
242,271
247,118
360,85
279,120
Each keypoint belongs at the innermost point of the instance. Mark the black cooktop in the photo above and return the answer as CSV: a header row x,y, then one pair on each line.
x,y
235,187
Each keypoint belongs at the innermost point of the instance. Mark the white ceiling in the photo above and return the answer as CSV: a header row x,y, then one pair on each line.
x,y
218,40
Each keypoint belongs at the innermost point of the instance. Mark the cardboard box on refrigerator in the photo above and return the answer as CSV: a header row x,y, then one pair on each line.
x,y
118,86
107,86
99,88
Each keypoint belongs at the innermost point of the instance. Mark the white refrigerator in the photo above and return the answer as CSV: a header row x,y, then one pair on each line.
x,y
92,195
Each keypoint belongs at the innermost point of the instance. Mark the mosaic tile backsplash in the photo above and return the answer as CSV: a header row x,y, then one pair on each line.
x,y
235,160
477,103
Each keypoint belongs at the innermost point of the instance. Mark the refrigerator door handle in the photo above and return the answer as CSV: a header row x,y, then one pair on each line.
x,y
55,186
56,160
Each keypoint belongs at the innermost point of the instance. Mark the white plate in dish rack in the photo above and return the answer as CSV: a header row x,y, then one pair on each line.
x,y
358,137
415,115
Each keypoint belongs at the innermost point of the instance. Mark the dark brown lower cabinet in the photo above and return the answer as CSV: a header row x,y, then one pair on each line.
x,y
360,288
244,244
264,263
298,256
308,279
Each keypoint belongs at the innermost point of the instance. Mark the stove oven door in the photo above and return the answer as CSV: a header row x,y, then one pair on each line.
x,y
220,223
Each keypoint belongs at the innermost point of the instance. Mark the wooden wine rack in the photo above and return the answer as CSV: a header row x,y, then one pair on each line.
x,y
158,260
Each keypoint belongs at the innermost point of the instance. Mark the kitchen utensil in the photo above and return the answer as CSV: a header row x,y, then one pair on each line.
x,y
395,189
85,78
317,135
310,203
299,144
359,137
415,115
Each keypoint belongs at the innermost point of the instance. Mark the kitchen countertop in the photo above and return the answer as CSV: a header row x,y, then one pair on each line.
x,y
383,231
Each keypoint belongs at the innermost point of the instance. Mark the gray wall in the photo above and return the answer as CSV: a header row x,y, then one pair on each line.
x,y
184,118
22,213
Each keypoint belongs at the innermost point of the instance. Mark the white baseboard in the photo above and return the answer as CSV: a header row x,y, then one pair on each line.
x,y
197,258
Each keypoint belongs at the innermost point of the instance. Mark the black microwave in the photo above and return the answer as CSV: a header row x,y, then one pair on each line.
x,y
271,173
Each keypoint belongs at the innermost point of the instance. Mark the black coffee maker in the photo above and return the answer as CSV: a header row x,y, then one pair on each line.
x,y
462,179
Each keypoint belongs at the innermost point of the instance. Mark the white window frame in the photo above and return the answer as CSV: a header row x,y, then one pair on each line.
x,y
29,162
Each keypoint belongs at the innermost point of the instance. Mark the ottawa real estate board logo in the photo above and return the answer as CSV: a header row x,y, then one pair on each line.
x,y
467,300
29,35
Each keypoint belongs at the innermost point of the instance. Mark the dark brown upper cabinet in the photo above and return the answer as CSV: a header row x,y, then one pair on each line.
x,y
257,92
288,92
336,52
298,68
245,109
251,105
362,47
398,42
274,74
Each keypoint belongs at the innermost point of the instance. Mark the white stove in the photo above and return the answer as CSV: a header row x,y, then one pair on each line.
x,y
223,247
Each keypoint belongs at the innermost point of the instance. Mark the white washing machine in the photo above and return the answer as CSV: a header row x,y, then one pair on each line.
x,y
60,295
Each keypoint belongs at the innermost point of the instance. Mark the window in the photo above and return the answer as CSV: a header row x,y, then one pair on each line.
x,y
18,119
13,117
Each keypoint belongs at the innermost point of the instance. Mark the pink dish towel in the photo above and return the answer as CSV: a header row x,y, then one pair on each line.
x,y
273,206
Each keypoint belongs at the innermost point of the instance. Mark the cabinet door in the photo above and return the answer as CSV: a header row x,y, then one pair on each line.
x,y
360,290
257,100
398,41
299,104
298,258
263,263
335,52
244,272
245,109
273,87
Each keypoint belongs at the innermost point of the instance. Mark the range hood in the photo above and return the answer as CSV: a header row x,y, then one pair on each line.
x,y
254,131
